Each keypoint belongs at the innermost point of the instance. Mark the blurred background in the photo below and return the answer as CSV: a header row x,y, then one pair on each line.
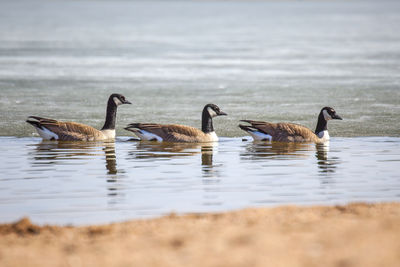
x,y
267,60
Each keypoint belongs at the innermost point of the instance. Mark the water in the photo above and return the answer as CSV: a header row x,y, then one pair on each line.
x,y
84,183
262,60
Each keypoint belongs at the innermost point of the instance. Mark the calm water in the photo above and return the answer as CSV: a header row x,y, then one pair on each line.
x,y
84,183
267,60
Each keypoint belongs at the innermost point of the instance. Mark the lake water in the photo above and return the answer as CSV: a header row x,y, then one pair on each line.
x,y
83,183
263,60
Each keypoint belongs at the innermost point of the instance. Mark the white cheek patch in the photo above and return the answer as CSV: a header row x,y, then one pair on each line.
x,y
326,115
117,101
211,112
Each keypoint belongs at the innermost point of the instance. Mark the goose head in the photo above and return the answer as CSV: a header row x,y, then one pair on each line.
x,y
330,114
214,111
119,99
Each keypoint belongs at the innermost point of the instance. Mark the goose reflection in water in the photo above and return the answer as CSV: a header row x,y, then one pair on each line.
x,y
277,150
325,164
165,151
208,168
53,153
292,151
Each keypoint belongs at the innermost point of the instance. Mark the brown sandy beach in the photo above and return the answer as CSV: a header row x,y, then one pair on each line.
x,y
350,235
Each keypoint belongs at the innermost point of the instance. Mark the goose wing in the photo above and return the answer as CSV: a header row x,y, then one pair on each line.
x,y
284,132
68,131
168,132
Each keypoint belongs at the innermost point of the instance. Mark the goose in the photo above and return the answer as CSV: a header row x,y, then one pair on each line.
x,y
50,129
179,133
290,132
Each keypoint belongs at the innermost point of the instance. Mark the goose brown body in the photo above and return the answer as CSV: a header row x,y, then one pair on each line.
x,y
51,129
73,131
291,132
283,132
177,132
171,132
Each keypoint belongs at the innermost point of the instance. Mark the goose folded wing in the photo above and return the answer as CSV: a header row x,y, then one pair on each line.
x,y
284,132
71,131
263,126
172,132
293,132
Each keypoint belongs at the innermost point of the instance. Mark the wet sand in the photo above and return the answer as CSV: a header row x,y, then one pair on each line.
x,y
351,235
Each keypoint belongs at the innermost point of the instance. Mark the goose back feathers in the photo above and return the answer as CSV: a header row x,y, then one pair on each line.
x,y
291,132
50,129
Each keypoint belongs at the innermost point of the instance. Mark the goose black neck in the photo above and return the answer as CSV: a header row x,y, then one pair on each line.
x,y
111,115
206,122
322,124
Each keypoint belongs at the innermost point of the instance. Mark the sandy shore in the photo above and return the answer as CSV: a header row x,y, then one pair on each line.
x,y
352,235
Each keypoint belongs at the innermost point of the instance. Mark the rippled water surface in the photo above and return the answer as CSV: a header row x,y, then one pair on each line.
x,y
84,183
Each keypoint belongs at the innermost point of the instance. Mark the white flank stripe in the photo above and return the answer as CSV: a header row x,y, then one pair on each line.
x,y
46,134
260,136
144,135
